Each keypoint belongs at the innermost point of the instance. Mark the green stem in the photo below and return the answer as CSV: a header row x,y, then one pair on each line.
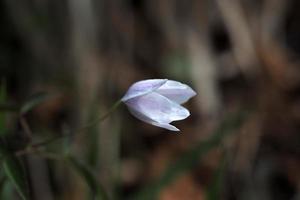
x,y
103,117
80,130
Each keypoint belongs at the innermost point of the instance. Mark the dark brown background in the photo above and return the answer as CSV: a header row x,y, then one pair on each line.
x,y
239,55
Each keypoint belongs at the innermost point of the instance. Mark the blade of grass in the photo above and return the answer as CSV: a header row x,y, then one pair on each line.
x,y
92,142
15,173
191,158
89,177
33,102
3,98
213,192
7,190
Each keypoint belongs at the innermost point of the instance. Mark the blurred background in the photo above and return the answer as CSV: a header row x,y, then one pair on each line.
x,y
63,63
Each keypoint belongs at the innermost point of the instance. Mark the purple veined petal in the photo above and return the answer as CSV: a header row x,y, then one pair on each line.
x,y
157,108
143,87
176,91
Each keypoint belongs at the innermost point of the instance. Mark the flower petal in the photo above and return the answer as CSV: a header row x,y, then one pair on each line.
x,y
144,118
143,87
166,126
158,108
140,115
176,91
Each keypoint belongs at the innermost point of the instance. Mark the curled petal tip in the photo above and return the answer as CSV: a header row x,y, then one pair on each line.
x,y
166,126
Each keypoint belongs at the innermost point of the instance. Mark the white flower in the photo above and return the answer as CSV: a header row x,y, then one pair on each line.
x,y
157,101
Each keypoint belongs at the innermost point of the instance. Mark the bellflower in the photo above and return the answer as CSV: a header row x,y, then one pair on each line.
x,y
158,101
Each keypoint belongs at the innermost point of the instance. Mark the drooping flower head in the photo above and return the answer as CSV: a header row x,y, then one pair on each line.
x,y
158,101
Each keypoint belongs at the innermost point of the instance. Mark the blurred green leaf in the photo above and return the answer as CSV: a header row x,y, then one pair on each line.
x,y
6,189
15,173
3,99
192,157
213,192
3,180
33,102
89,177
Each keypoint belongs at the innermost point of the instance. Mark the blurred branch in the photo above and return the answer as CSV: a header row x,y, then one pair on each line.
x,y
274,52
203,68
241,35
203,72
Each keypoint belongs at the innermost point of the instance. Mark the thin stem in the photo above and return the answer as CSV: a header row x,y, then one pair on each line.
x,y
44,154
103,117
26,127
31,148
48,141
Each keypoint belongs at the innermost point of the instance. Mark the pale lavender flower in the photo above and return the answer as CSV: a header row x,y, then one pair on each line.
x,y
157,101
